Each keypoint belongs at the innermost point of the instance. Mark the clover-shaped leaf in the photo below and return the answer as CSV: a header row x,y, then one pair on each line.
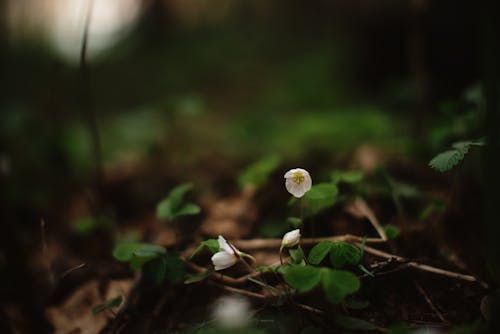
x,y
338,284
342,253
318,252
303,278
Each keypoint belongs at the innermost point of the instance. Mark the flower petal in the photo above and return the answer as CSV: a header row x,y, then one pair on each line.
x,y
223,260
290,173
224,245
296,190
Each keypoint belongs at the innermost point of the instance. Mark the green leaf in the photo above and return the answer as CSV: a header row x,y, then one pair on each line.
x,y
321,196
294,221
109,304
318,252
211,244
340,176
338,284
189,209
354,323
296,255
257,173
126,251
168,267
303,278
273,228
199,277
447,160
171,207
342,253
391,231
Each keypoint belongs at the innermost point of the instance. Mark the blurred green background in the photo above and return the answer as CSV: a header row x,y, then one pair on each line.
x,y
179,83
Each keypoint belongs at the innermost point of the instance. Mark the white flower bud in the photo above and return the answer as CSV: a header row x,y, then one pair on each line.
x,y
291,239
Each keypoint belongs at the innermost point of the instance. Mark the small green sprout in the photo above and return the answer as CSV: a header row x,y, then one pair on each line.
x,y
172,207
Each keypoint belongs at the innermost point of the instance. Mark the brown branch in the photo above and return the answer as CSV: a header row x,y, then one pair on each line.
x,y
420,266
276,243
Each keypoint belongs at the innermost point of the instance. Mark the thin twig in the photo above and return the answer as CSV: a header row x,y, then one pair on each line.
x,y
360,208
238,291
310,309
430,303
223,278
276,243
261,296
70,270
422,267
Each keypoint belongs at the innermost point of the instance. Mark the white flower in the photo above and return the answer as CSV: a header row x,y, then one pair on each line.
x,y
227,255
298,182
291,239
232,312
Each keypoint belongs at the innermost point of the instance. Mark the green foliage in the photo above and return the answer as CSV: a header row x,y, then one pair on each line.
x,y
436,206
211,244
318,252
354,323
85,226
166,267
447,160
296,255
171,207
257,173
107,305
294,221
303,278
155,262
199,277
273,228
338,284
127,251
391,231
350,177
266,268
321,196
342,253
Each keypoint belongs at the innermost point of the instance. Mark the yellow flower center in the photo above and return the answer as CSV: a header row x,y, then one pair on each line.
x,y
298,177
